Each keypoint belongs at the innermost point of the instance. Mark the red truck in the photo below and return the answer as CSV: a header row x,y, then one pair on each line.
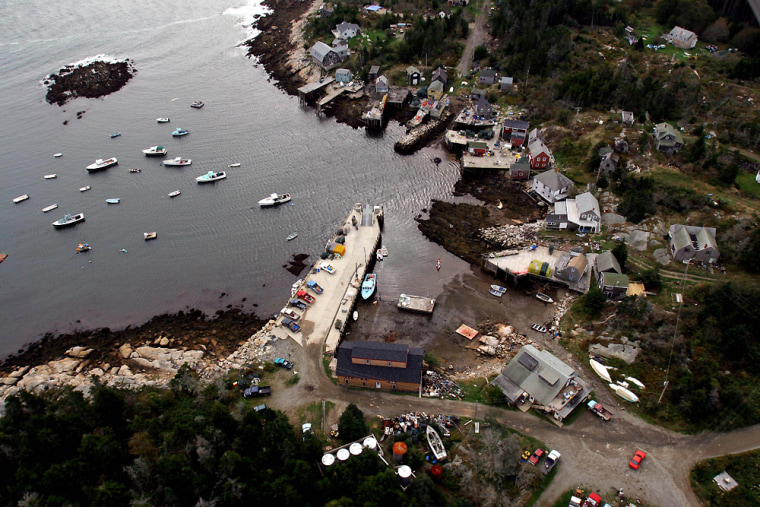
x,y
599,410
302,294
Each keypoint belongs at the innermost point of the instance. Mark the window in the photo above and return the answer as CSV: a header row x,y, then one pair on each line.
x,y
389,363
364,383
346,381
378,385
393,386
366,361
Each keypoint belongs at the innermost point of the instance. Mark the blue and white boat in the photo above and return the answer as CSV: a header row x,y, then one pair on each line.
x,y
180,132
113,201
369,285
69,220
197,104
211,176
115,134
497,290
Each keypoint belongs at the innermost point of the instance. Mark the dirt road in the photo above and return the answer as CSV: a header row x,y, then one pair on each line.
x,y
478,36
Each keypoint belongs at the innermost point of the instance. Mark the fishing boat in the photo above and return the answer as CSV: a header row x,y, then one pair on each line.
x,y
101,164
543,297
49,208
85,189
134,170
385,251
69,220
175,193
21,198
177,161
162,120
600,370
149,235
211,176
369,285
180,132
236,164
274,200
435,443
115,134
50,176
197,104
57,155
83,247
638,383
154,151
113,201
379,254
292,236
438,264
497,290
624,393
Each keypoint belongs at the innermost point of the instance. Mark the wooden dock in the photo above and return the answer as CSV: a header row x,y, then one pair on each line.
x,y
306,91
419,304
329,97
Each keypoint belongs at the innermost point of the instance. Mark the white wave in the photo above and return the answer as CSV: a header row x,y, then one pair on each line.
x,y
247,15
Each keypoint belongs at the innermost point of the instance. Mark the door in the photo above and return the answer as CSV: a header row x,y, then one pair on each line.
x,y
377,385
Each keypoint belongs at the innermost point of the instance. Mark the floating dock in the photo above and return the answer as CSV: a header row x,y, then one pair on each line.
x,y
419,304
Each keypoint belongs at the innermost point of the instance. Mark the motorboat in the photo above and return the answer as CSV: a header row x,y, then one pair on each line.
x,y
292,236
211,176
49,208
624,393
236,164
69,220
369,285
601,370
115,134
180,132
85,189
177,161
497,290
274,199
154,151
100,164
50,176
149,235
379,254
83,247
385,251
543,297
197,104
175,193
113,201
162,120
21,198
57,155
134,170
435,443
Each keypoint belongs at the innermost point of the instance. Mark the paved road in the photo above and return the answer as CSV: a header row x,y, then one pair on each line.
x,y
594,453
478,36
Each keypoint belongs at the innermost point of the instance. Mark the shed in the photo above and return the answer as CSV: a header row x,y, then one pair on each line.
x,y
381,84
374,71
413,75
343,76
506,83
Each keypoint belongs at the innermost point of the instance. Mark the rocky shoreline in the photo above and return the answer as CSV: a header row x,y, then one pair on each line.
x,y
93,80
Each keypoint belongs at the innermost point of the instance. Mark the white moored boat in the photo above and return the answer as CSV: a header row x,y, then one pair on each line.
x,y
600,370
162,120
178,161
274,200
85,189
543,297
149,235
100,164
624,393
435,443
69,220
50,176
174,194
154,151
21,198
49,208
211,176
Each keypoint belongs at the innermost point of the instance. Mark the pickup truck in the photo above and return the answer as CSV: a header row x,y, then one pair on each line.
x,y
291,325
284,363
551,460
302,294
298,304
315,287
257,391
599,410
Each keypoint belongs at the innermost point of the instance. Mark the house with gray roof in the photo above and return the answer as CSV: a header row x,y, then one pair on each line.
x,y
515,131
580,214
476,93
613,285
609,160
413,75
550,383
343,76
520,169
606,262
340,46
570,266
693,243
487,76
379,365
681,38
346,30
374,71
381,84
506,83
483,108
435,90
552,186
668,139
324,56
533,135
441,75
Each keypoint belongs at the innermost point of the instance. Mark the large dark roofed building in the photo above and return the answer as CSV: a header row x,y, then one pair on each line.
x,y
380,365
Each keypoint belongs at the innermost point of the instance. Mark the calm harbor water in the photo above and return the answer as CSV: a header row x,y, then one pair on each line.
x,y
212,239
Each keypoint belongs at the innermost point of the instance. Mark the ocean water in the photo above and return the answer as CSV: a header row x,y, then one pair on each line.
x,y
215,246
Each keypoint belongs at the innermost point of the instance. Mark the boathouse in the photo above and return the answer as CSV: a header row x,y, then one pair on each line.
x,y
324,56
379,365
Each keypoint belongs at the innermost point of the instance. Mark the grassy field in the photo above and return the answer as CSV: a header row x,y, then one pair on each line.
x,y
748,184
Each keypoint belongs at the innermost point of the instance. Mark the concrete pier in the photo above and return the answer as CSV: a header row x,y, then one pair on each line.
x,y
324,321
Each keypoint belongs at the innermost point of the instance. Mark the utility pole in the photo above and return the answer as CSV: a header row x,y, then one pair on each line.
x,y
675,333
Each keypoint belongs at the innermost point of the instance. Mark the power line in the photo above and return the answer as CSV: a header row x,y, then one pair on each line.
x,y
675,334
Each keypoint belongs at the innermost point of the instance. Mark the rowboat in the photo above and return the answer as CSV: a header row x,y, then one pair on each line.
x,y
292,235
49,208
435,443
57,155
600,370
21,198
83,247
543,297
174,194
50,176
497,290
134,170
236,164
149,235
538,328
624,393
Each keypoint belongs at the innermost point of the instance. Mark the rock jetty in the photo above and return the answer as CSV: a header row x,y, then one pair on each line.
x,y
510,236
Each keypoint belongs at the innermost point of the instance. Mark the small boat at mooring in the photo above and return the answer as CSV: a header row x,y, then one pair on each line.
x,y
100,164
57,155
497,290
162,120
175,193
69,220
113,201
292,236
154,151
236,164
435,443
21,198
177,161
115,134
149,235
49,208
438,264
211,176
274,200
543,297
134,170
197,104
50,176
83,247
369,285
180,132
85,189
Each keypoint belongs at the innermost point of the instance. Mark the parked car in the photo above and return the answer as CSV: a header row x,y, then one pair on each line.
x,y
315,287
302,294
257,391
291,325
290,313
536,457
635,463
283,363
525,455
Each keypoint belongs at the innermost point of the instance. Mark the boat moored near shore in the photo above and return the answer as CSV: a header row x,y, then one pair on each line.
x,y
101,164
369,285
69,220
211,176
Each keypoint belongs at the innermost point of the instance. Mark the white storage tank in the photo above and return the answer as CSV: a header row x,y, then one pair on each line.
x,y
404,475
355,449
328,459
370,443
343,455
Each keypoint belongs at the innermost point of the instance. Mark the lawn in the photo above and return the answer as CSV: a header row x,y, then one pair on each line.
x,y
748,184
